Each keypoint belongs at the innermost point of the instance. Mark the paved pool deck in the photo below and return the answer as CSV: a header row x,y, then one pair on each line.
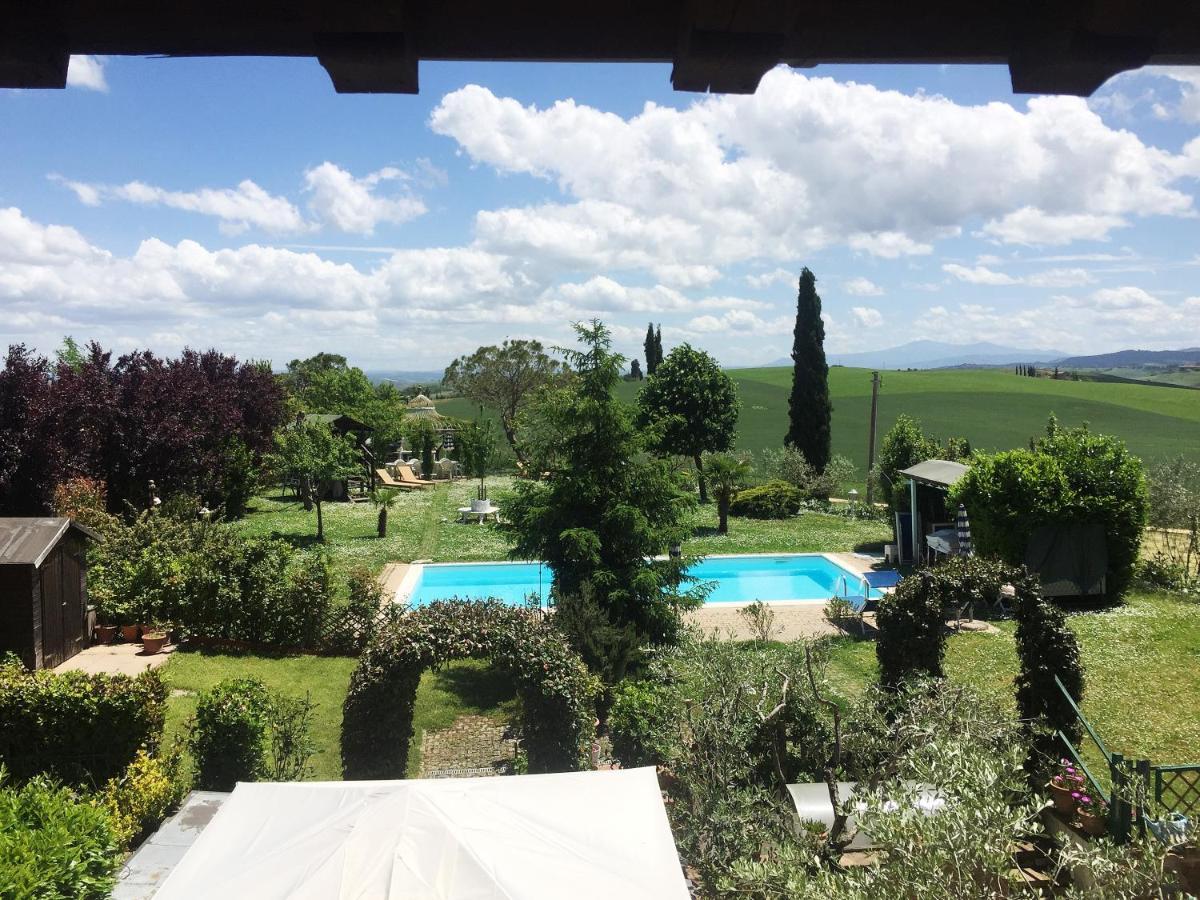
x,y
792,621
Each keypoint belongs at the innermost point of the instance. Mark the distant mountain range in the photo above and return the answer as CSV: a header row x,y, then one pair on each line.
x,y
937,355
1124,358
403,378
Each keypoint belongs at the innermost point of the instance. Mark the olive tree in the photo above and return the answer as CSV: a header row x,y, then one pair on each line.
x,y
311,454
504,378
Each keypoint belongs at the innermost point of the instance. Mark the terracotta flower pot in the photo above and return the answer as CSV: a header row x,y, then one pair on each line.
x,y
105,634
1094,823
153,642
129,633
1061,795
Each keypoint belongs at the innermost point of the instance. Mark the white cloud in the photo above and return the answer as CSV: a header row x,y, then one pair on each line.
x,y
804,164
867,316
1032,226
350,204
1046,278
87,72
862,287
977,275
1111,317
767,279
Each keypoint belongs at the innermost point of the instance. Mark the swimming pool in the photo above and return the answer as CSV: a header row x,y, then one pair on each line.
x,y
781,578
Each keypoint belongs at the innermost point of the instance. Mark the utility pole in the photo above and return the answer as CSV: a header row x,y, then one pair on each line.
x,y
876,381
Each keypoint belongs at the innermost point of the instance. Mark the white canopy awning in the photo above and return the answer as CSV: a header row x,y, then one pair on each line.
x,y
533,837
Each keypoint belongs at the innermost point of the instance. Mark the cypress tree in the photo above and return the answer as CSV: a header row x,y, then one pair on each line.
x,y
648,344
658,354
809,408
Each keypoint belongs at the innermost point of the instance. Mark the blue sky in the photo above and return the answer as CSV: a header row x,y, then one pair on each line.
x,y
243,204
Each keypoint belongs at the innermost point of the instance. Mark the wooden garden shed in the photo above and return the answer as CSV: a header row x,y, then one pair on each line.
x,y
43,589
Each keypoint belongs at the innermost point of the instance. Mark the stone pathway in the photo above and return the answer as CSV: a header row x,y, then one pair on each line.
x,y
473,746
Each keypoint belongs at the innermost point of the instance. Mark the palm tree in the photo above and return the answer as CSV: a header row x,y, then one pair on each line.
x,y
726,475
383,499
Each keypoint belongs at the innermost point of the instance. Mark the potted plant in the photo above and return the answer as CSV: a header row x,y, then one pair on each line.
x,y
1184,861
1093,814
106,631
1066,787
153,640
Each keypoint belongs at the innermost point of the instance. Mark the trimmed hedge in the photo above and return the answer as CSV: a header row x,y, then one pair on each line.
x,y
773,500
1047,649
1069,476
82,729
558,720
911,622
54,844
229,733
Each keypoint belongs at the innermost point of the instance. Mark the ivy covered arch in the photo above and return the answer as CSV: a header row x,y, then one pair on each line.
x,y
554,685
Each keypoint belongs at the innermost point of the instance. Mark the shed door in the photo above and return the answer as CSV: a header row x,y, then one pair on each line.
x,y
52,610
72,604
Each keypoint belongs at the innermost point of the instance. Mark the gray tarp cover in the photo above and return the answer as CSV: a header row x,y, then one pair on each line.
x,y
1071,560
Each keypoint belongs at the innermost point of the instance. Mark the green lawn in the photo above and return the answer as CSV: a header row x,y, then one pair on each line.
x,y
993,408
1142,659
1141,663
422,525
460,688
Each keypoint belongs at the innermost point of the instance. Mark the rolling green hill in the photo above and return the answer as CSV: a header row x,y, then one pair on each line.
x,y
994,409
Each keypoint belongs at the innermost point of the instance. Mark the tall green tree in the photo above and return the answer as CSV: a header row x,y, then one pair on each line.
x,y
648,346
690,406
327,383
505,378
604,509
312,455
809,407
658,354
904,445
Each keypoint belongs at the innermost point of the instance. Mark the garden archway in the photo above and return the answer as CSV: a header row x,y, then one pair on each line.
x,y
554,685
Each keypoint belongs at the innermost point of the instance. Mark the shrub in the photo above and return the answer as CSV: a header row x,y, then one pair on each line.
x,y
790,464
229,732
1069,475
773,500
53,844
912,620
553,683
1047,649
209,580
289,742
644,723
79,728
82,499
140,799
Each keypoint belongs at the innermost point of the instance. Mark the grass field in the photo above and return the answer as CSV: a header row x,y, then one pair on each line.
x,y
465,687
1141,664
993,409
424,525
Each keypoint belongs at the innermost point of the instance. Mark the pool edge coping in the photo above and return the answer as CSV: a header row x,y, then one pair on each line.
x,y
408,584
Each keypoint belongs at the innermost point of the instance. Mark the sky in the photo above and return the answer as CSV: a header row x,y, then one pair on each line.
x,y
242,204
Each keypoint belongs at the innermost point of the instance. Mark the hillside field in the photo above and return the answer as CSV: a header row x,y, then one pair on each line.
x,y
993,409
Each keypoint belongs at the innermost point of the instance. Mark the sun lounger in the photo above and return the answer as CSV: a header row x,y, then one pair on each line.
x,y
406,480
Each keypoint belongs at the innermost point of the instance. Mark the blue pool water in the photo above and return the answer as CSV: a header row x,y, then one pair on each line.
x,y
734,579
